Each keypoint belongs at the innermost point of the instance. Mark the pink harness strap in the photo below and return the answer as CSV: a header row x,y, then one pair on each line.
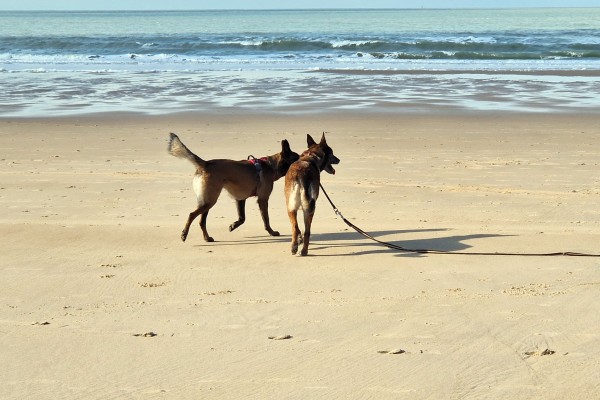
x,y
258,164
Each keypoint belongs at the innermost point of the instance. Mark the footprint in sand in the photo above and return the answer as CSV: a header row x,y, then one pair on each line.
x,y
147,334
280,337
546,352
393,351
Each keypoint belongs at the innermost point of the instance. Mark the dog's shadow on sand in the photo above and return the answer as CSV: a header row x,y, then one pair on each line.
x,y
321,241
360,245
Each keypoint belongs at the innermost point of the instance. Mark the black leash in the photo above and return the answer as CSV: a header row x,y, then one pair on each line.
x,y
430,251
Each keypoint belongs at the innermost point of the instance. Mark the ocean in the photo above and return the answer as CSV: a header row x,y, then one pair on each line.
x,y
294,61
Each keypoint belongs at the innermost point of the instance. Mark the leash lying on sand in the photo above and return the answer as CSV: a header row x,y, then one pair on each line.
x,y
430,251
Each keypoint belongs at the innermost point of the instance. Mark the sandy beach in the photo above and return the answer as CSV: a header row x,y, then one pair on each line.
x,y
100,298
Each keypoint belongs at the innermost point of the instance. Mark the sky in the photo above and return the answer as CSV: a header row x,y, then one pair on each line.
x,y
275,4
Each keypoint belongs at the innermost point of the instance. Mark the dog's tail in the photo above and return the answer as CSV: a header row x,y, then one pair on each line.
x,y
177,148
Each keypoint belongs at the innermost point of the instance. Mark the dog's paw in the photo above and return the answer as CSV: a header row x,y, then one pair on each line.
x,y
183,236
209,239
274,233
304,252
294,248
235,225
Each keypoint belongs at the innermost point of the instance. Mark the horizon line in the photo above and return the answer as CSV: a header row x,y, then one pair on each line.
x,y
292,9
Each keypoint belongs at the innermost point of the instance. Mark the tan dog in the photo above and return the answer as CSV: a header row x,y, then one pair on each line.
x,y
302,187
242,179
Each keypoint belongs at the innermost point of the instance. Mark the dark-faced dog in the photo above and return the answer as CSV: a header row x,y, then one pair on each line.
x,y
242,179
302,187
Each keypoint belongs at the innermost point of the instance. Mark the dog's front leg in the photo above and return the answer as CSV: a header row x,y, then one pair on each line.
x,y
241,209
263,204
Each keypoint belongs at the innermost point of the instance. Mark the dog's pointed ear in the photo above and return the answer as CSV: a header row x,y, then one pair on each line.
x,y
310,140
323,141
285,147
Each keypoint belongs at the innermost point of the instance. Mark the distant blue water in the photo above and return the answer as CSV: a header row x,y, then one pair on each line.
x,y
74,62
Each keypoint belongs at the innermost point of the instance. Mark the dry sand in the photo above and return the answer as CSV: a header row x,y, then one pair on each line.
x,y
100,299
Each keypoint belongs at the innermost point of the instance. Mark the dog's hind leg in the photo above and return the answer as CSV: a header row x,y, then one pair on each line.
x,y
203,227
308,217
263,204
295,230
201,210
241,209
189,221
207,195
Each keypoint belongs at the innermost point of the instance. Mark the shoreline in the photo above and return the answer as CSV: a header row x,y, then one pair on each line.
x,y
299,92
476,71
367,112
